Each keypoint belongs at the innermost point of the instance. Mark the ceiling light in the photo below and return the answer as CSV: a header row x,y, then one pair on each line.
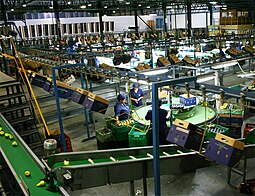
x,y
51,7
118,8
148,7
69,2
24,5
12,10
213,2
113,11
83,6
128,3
89,5
139,5
105,6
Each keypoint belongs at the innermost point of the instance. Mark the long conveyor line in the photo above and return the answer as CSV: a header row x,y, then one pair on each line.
x,y
20,159
97,168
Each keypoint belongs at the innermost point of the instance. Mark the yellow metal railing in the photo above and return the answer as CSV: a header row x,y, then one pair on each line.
x,y
28,86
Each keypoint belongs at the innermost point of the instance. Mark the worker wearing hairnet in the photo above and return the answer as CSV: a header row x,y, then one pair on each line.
x,y
122,111
136,95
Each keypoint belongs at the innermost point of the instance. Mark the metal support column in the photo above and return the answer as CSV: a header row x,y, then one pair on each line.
x,y
155,137
165,17
189,25
101,26
56,10
136,18
211,13
54,68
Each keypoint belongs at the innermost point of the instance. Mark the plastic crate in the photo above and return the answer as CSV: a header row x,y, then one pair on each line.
x,y
213,129
104,135
140,127
120,132
109,121
138,138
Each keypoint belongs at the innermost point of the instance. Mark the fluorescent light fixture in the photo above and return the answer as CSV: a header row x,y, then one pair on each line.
x,y
12,10
105,6
152,14
24,5
69,2
113,11
127,2
213,2
89,5
148,7
83,6
139,5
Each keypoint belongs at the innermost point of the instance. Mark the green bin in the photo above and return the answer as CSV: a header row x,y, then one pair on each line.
x,y
120,132
213,129
104,135
138,138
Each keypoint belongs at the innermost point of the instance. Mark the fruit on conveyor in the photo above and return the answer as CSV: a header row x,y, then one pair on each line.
x,y
66,162
27,173
1,133
6,135
14,143
41,183
10,137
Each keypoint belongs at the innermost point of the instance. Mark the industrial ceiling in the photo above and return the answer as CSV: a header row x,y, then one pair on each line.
x,y
22,6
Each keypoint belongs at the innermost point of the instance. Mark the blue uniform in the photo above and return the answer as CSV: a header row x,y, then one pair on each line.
x,y
137,95
122,111
163,130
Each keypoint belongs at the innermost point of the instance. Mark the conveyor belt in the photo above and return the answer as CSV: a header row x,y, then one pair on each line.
x,y
97,168
200,114
20,159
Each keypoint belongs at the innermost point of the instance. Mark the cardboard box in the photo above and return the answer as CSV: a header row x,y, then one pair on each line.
x,y
95,103
185,134
188,101
224,150
64,91
37,79
79,95
47,85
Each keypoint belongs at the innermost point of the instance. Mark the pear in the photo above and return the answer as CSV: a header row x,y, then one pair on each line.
x,y
14,143
66,162
41,183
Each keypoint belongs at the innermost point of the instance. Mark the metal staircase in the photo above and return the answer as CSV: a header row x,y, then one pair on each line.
x,y
17,110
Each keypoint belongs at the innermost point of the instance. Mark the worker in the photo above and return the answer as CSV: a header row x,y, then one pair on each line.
x,y
136,95
163,117
122,111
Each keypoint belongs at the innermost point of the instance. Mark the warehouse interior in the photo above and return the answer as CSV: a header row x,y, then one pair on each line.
x,y
114,97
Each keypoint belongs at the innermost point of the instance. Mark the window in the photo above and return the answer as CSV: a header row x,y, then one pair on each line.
x,y
107,26
70,28
92,30
64,28
25,31
39,30
85,27
46,30
32,30
81,28
97,26
112,26
52,29
75,28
